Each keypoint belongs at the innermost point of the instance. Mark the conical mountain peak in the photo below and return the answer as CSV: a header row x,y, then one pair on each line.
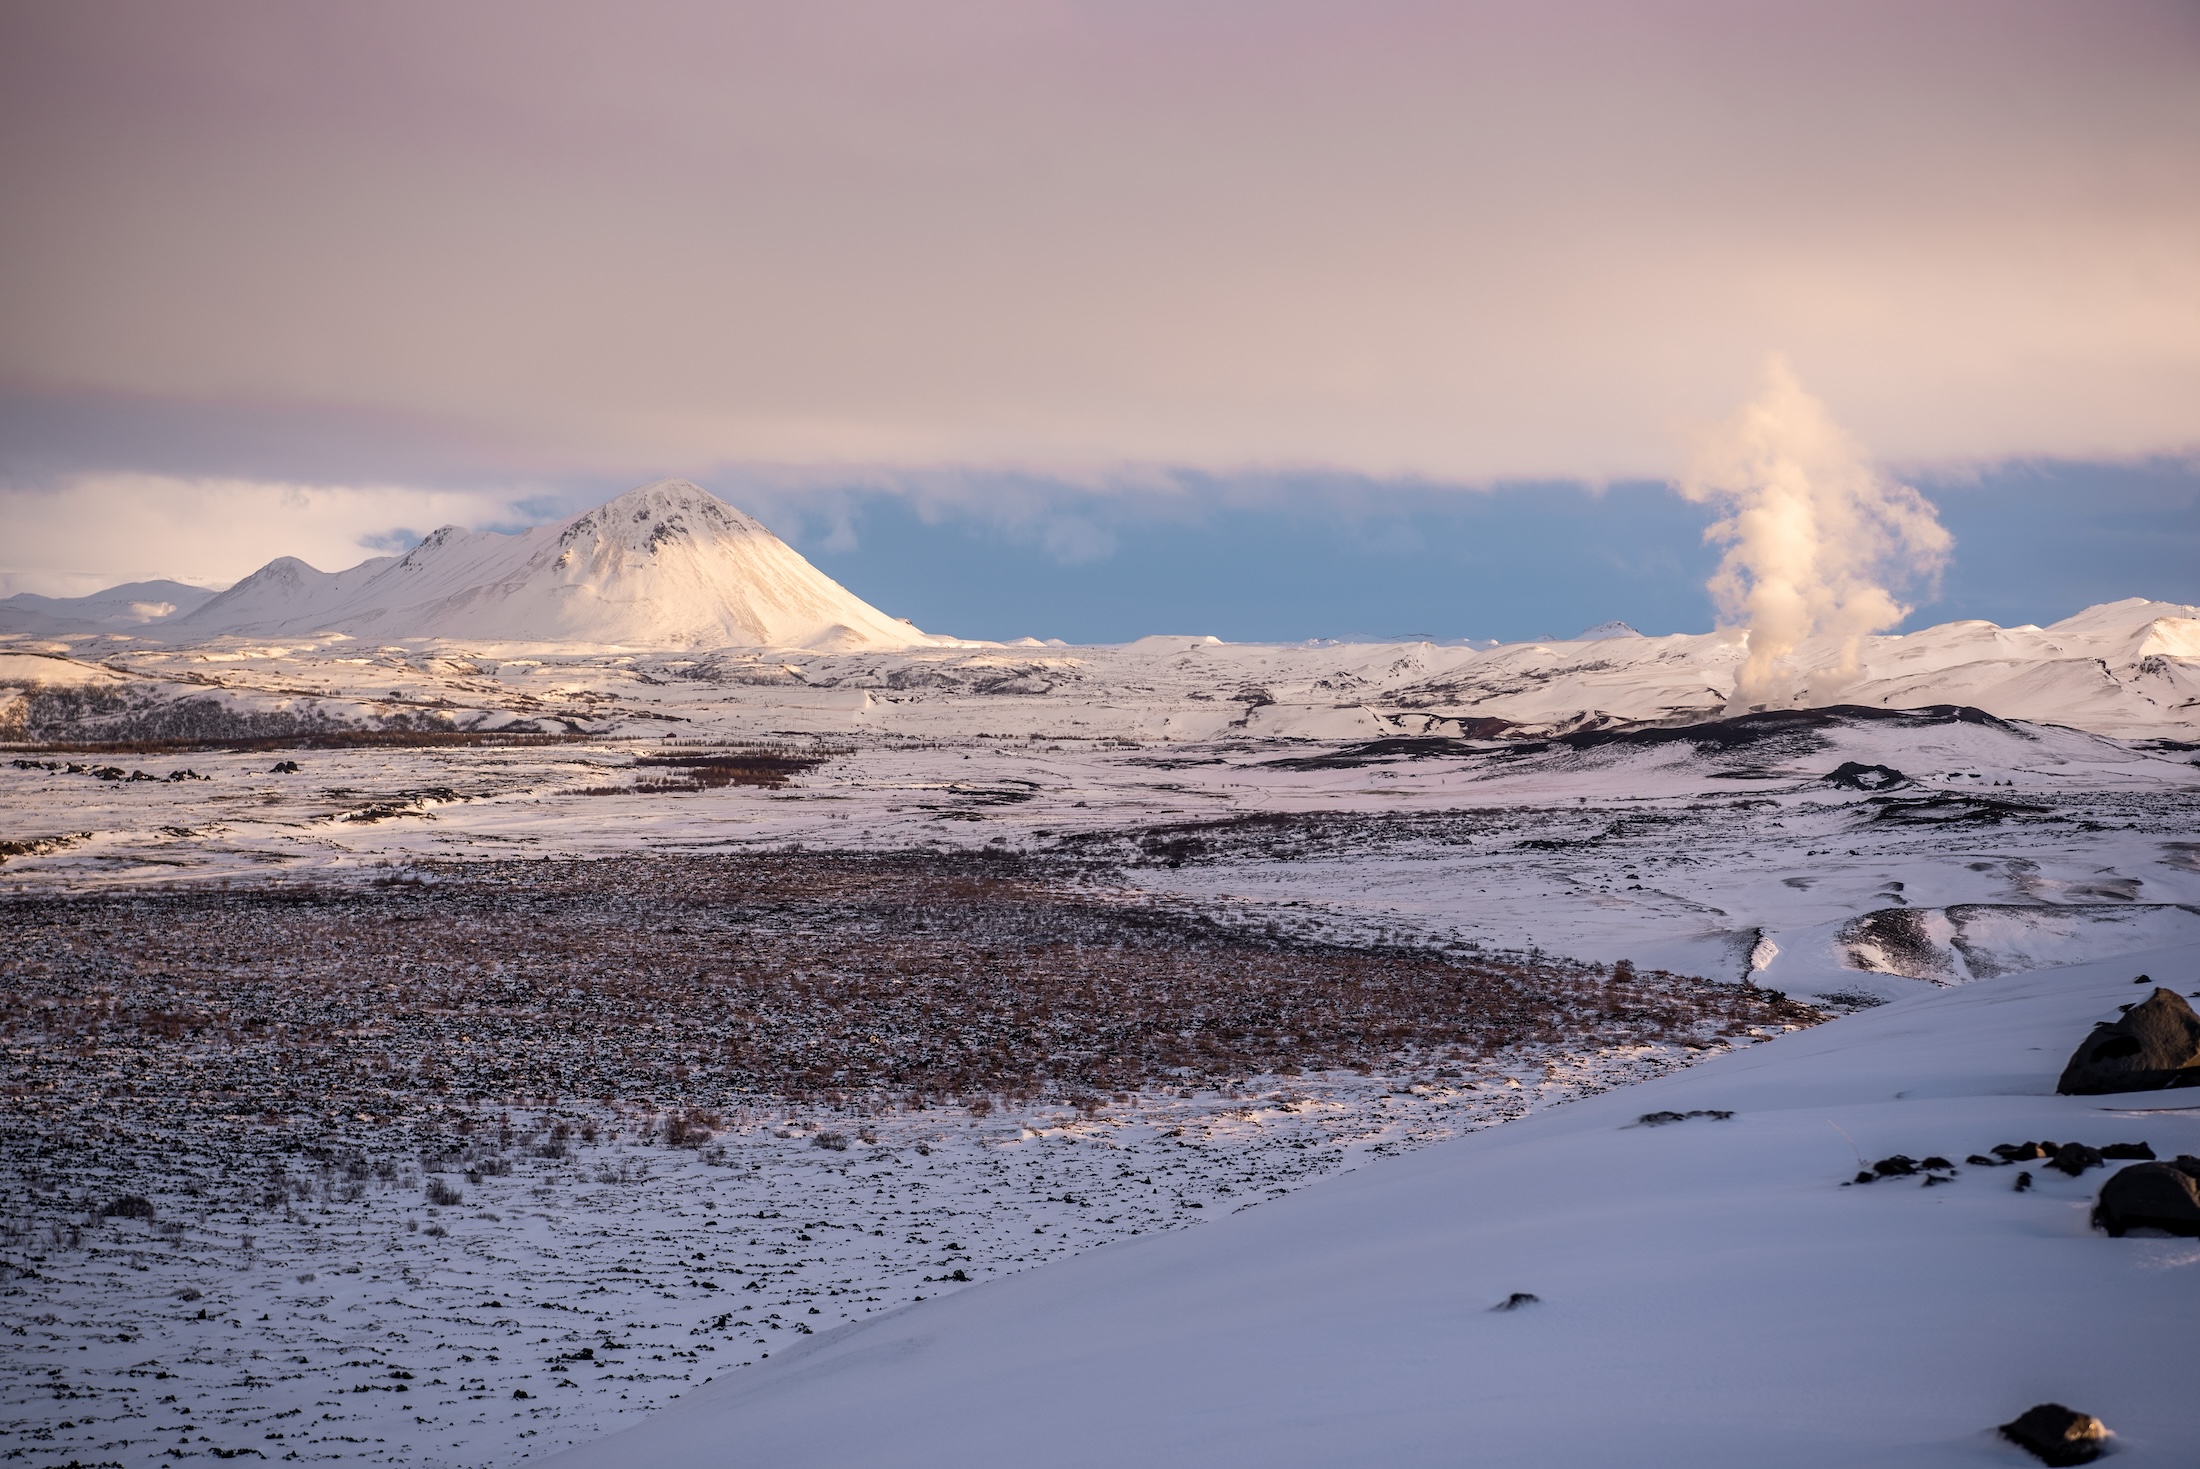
x,y
666,565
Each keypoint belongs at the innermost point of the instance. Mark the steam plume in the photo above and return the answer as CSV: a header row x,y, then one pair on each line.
x,y
1814,535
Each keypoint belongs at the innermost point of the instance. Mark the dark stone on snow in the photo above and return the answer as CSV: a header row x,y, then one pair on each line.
x,y
1936,1161
2019,1152
1866,1177
2128,1150
2075,1158
2024,1181
1851,776
1660,1119
2160,1196
1516,1300
1895,1166
1980,1160
2155,1045
2056,1435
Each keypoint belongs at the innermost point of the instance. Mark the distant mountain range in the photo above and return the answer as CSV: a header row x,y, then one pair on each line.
x,y
117,609
669,569
666,566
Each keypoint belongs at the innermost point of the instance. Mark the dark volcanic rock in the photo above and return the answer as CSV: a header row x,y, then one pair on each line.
x,y
2056,1435
2164,1196
1852,776
2155,1045
1660,1119
2075,1158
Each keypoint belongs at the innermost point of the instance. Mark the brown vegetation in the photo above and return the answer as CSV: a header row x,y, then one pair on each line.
x,y
709,982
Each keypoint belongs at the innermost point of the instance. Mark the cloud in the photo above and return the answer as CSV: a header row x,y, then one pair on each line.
x,y
1814,535
1472,242
95,531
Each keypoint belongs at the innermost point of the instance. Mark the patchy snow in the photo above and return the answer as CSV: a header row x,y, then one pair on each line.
x,y
354,1320
2005,845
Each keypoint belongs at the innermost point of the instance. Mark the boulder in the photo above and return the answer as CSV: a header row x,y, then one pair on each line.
x,y
2155,1045
2164,1196
2057,1435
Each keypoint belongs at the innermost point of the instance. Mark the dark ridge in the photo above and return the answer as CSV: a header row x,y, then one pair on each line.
x,y
1749,729
1739,732
1951,809
1398,747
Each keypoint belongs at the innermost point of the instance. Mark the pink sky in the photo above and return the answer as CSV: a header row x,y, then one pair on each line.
x,y
1462,241
1452,239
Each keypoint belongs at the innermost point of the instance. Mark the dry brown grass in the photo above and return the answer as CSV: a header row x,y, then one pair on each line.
x,y
706,982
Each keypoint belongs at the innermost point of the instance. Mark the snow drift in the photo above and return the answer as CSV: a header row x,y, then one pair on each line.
x,y
666,566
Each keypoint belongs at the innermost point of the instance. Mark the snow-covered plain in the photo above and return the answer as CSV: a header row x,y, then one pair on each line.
x,y
2012,847
2007,845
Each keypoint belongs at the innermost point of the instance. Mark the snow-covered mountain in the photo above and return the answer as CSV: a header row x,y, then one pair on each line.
x,y
668,570
131,605
668,565
2128,668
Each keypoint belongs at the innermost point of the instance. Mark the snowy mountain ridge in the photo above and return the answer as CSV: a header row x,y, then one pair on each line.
x,y
668,565
669,570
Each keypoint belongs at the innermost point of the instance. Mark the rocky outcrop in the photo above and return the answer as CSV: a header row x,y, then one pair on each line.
x,y
2155,1045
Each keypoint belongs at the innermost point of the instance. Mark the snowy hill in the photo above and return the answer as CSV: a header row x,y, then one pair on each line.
x,y
1709,1293
665,566
131,605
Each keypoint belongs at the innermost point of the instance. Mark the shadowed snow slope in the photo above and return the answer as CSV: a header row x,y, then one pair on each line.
x,y
665,566
1710,1292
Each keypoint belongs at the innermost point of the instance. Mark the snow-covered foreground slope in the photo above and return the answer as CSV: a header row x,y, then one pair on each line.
x,y
668,565
1709,1292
